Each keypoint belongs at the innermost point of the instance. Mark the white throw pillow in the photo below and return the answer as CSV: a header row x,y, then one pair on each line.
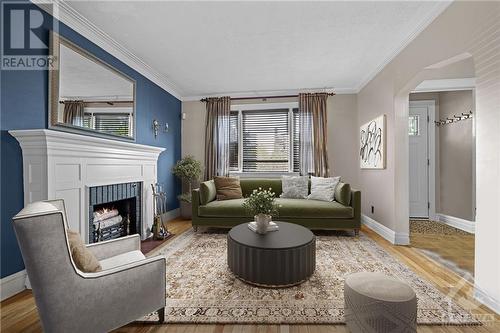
x,y
323,188
294,187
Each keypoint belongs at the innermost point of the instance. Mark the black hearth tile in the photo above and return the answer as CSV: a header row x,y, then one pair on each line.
x,y
99,195
93,195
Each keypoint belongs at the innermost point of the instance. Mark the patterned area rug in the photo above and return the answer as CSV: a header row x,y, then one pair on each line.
x,y
201,289
433,227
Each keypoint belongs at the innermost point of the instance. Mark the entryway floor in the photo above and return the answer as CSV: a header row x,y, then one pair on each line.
x,y
449,246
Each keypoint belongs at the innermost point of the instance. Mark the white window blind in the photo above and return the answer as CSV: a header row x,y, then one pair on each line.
x,y
117,124
266,140
233,141
296,140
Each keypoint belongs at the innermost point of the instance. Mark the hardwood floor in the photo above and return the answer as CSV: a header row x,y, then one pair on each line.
x,y
19,314
453,247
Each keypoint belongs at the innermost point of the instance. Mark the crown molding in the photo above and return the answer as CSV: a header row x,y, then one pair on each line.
x,y
73,19
438,10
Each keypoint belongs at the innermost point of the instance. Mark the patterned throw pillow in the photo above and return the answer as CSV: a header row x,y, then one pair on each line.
x,y
294,187
323,189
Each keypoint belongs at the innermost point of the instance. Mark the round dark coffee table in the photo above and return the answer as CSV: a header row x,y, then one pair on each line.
x,y
280,258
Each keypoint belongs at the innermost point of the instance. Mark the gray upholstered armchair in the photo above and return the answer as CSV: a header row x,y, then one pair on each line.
x,y
69,300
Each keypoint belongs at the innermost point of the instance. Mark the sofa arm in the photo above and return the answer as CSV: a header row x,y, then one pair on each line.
x,y
113,247
356,203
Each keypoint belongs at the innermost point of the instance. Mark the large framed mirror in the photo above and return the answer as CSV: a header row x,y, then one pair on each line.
x,y
87,95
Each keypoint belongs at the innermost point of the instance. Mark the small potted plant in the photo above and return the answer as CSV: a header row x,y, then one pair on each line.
x,y
261,203
189,171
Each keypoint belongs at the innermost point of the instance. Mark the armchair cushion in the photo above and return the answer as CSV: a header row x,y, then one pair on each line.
x,y
122,259
83,258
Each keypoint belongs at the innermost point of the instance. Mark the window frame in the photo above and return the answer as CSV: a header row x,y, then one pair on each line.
x,y
240,108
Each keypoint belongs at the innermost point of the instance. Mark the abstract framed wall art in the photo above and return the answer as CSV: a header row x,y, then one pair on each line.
x,y
372,144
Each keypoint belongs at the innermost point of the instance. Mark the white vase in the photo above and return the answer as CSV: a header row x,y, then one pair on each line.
x,y
262,221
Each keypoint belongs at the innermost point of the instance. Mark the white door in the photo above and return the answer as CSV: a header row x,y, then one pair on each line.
x,y
419,161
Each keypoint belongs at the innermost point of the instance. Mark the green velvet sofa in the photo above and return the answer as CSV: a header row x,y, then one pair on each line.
x,y
313,214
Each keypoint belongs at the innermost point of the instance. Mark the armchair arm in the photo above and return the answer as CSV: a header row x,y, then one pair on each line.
x,y
113,247
156,261
119,295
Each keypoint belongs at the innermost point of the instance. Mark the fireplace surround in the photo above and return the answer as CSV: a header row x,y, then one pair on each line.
x,y
60,165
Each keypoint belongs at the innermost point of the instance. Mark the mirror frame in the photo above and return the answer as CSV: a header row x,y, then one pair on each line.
x,y
55,42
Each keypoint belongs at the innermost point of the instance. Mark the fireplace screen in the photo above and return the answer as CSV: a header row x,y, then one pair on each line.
x,y
114,211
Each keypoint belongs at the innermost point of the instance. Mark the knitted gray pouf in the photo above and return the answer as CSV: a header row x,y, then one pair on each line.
x,y
375,302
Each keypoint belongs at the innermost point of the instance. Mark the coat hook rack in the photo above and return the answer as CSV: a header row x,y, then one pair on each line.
x,y
455,119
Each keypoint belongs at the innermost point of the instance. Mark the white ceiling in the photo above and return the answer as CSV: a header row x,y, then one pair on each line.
x,y
212,48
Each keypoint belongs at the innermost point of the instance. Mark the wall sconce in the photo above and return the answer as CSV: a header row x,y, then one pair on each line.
x,y
156,127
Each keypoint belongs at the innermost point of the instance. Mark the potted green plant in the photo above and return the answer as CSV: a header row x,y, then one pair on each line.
x,y
262,205
189,170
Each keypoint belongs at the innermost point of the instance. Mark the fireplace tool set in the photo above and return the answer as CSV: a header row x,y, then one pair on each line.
x,y
159,228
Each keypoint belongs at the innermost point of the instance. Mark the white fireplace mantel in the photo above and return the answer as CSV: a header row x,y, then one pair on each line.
x,y
60,165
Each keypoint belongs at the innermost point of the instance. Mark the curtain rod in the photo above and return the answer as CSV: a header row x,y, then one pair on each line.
x,y
97,102
263,97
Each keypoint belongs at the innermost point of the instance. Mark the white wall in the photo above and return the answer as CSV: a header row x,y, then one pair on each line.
x,y
464,27
456,146
342,132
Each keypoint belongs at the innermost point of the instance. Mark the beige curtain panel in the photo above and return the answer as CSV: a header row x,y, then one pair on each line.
x,y
74,112
313,134
217,137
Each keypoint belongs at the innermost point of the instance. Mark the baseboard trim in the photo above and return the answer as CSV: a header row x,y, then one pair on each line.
x,y
388,234
458,223
173,214
486,300
12,284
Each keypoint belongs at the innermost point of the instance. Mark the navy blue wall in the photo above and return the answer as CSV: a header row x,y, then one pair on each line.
x,y
24,106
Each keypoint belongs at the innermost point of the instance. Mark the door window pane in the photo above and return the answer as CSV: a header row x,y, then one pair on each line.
x,y
414,125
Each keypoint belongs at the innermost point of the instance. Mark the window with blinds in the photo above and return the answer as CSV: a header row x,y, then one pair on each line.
x,y
264,140
111,123
296,139
233,141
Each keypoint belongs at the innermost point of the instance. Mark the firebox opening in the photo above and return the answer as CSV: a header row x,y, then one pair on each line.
x,y
114,219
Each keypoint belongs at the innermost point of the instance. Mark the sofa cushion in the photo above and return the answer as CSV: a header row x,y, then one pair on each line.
x,y
312,209
228,188
122,259
343,193
250,184
207,192
223,208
